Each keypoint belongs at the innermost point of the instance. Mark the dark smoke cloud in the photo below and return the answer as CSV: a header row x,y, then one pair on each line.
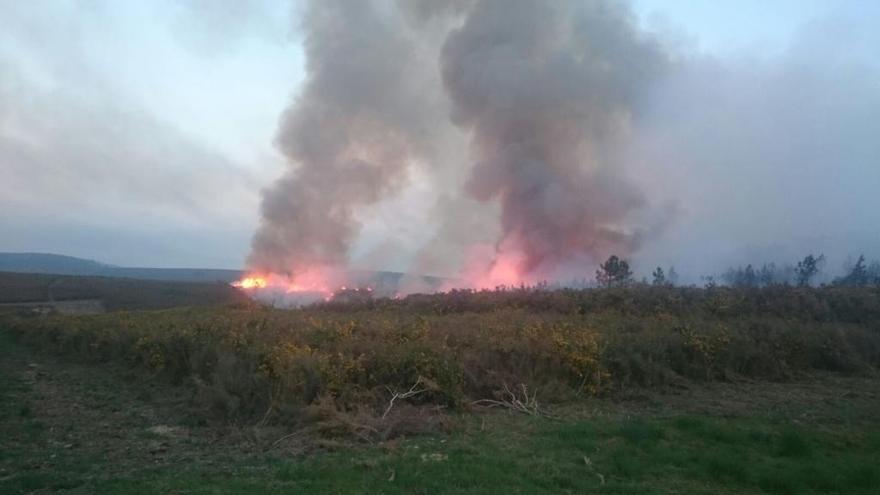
x,y
543,91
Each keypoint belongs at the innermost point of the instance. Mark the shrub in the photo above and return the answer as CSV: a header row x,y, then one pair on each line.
x,y
277,365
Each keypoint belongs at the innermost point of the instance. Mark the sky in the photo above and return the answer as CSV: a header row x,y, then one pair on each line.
x,y
142,133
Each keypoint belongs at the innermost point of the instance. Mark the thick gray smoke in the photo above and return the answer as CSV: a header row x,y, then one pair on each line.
x,y
349,136
544,91
547,90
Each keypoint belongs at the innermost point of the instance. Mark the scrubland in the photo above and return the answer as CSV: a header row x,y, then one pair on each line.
x,y
609,390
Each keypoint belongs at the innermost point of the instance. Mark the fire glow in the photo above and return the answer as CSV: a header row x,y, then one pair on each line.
x,y
306,287
488,268
485,269
281,283
294,290
255,282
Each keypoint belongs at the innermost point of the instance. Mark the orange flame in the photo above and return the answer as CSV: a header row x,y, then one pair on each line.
x,y
486,267
304,287
254,282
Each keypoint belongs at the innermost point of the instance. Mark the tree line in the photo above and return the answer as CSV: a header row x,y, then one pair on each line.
x,y
616,272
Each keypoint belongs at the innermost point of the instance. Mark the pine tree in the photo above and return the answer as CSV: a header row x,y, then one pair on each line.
x,y
659,276
808,268
614,272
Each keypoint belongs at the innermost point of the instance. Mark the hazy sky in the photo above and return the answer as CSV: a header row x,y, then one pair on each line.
x,y
141,132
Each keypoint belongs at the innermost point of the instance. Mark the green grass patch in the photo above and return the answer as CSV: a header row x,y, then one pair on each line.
x,y
686,454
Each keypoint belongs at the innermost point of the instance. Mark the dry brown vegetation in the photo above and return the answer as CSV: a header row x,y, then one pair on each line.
x,y
374,368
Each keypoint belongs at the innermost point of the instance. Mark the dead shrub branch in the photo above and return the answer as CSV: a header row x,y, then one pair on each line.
x,y
522,403
412,392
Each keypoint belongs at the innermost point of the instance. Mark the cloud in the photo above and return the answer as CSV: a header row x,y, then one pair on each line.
x,y
76,153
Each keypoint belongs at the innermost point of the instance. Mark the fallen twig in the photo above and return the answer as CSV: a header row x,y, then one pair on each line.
x,y
527,404
285,437
405,395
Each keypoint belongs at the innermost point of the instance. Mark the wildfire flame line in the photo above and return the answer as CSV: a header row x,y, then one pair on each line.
x,y
250,283
308,287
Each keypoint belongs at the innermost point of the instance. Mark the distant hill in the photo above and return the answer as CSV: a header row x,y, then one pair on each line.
x,y
50,263
56,264
68,265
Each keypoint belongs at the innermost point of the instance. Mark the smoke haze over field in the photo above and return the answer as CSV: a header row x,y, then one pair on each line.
x,y
544,92
567,108
769,157
498,141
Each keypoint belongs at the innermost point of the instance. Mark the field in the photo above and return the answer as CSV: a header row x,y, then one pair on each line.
x,y
637,390
25,291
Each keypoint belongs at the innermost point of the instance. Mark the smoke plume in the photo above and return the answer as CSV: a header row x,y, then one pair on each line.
x,y
544,92
349,136
547,91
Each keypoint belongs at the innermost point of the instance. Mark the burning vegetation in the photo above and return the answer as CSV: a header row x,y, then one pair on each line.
x,y
317,286
615,272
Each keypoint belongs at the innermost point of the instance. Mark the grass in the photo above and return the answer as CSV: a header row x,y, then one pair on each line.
x,y
522,455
